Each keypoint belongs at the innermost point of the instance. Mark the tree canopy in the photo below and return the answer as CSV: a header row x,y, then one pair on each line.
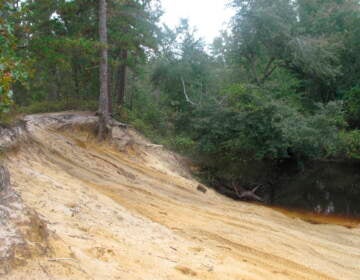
x,y
282,82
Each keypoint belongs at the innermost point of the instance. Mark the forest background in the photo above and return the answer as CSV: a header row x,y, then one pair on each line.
x,y
280,85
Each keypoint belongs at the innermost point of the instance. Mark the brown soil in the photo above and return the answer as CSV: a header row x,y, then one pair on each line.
x,y
138,214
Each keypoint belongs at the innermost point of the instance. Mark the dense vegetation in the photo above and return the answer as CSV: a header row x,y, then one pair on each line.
x,y
282,84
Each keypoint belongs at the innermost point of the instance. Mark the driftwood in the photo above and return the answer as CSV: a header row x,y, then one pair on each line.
x,y
247,194
154,146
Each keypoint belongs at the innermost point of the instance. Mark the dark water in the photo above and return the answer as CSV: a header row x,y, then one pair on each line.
x,y
326,187
322,187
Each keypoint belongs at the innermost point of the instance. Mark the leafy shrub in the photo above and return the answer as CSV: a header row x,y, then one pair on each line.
x,y
63,105
255,126
182,144
351,144
352,106
11,67
141,126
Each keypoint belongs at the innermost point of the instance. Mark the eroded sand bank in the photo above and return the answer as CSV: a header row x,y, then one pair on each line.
x,y
137,214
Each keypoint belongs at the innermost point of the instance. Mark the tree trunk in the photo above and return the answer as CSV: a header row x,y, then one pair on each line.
x,y
121,80
104,96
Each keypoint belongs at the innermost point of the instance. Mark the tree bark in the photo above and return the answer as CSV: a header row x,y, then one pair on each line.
x,y
269,69
185,92
104,95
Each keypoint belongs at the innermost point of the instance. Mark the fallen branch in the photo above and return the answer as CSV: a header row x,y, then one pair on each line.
x,y
248,194
185,93
153,146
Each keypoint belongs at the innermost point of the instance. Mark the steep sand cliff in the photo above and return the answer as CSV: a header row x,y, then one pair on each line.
x,y
130,210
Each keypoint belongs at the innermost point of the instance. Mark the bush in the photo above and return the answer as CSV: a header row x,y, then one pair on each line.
x,y
351,144
63,105
182,144
141,126
255,126
352,107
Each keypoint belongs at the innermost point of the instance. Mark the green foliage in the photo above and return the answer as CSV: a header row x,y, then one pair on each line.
x,y
143,113
132,28
351,144
255,126
263,84
183,144
11,68
63,105
306,38
281,84
61,37
352,106
183,60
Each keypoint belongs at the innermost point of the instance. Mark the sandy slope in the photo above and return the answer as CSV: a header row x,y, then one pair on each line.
x,y
137,214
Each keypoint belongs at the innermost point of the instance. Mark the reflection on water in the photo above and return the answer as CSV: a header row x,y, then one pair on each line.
x,y
323,187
